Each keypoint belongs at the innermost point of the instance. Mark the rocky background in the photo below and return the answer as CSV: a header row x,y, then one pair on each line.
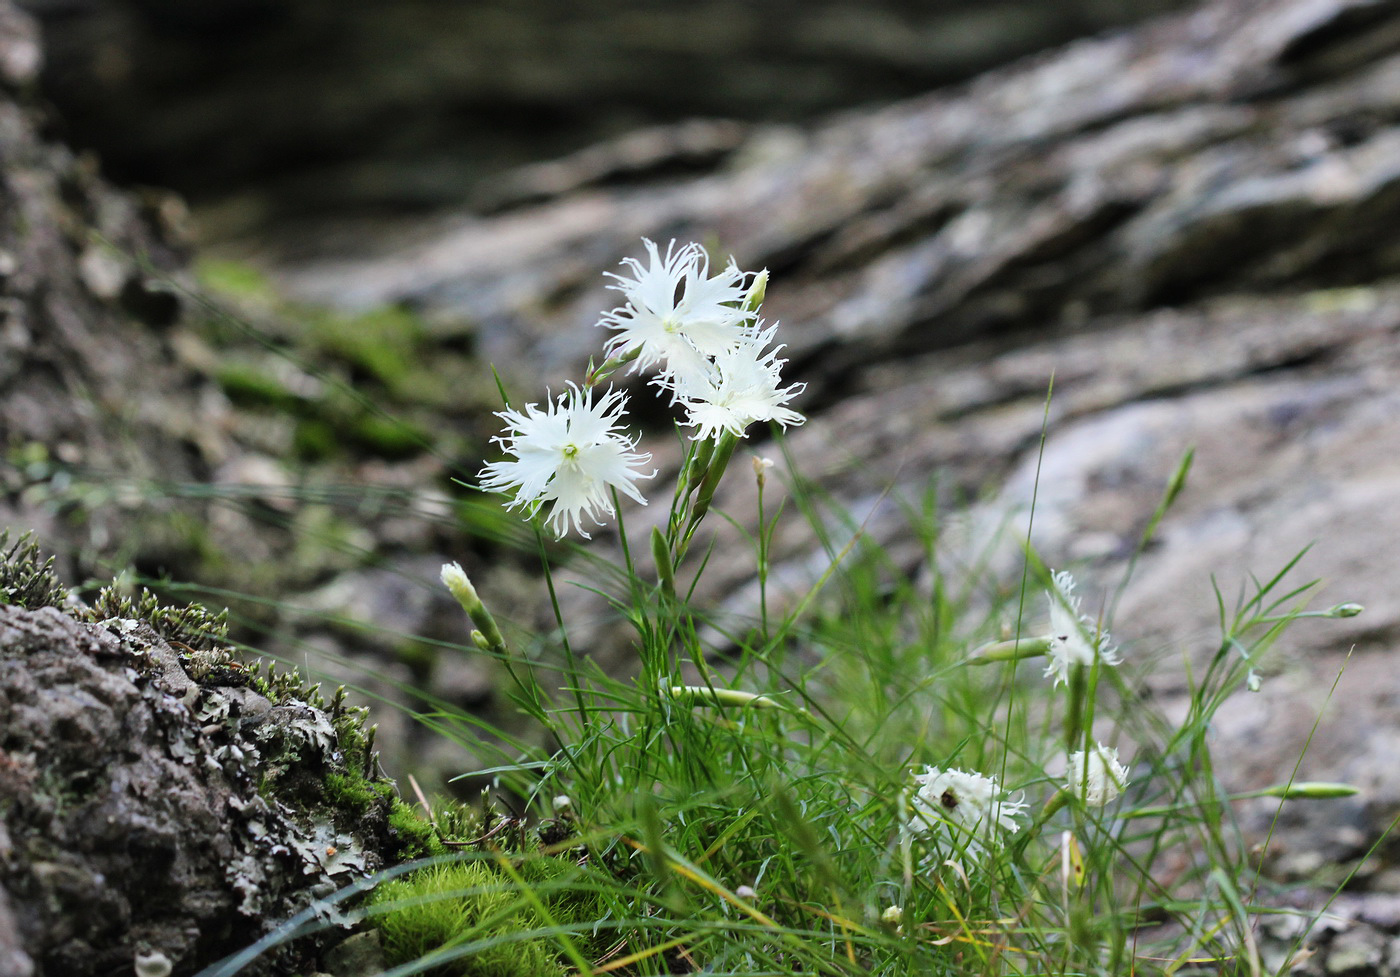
x,y
265,109
1193,225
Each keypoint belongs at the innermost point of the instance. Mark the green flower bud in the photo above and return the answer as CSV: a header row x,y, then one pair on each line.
x,y
1006,651
1308,789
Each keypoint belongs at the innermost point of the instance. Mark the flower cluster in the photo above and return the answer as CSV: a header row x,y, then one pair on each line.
x,y
958,811
702,335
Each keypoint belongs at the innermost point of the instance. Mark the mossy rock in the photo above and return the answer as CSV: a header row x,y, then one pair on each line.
x,y
155,792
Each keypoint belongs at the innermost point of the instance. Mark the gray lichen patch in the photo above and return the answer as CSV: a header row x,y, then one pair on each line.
x,y
158,798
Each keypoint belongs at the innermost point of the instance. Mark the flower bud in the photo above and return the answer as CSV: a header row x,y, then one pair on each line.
x,y
460,586
661,556
760,469
1006,651
488,636
757,291
704,695
1308,789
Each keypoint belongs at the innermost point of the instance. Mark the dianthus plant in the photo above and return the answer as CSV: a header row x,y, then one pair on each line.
x,y
882,807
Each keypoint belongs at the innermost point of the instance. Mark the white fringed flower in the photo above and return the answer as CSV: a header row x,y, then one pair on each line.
x,y
677,315
1074,638
1095,776
740,387
571,454
961,811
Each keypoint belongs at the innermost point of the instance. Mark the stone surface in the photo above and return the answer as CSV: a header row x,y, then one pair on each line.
x,y
89,378
338,104
144,811
118,445
160,805
360,955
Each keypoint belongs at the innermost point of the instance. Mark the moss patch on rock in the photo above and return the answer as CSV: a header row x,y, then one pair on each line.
x,y
156,794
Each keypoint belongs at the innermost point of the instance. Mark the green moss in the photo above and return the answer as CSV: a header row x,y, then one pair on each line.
x,y
234,279
350,792
315,439
389,437
382,344
251,385
412,832
445,906
27,580
193,624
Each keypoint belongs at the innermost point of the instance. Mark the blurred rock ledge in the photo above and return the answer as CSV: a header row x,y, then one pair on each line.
x,y
331,106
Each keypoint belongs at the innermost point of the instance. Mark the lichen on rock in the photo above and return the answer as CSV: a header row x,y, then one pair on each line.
x,y
159,797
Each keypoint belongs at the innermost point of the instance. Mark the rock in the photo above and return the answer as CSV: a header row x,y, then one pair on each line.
x,y
161,809
94,406
357,956
1202,253
350,105
1356,953
120,446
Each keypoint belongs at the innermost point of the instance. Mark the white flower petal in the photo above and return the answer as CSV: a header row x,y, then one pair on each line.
x,y
1075,639
739,388
676,314
1095,776
959,811
570,454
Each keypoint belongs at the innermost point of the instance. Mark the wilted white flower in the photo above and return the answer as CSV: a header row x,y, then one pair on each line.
x,y
571,454
962,811
739,387
1095,776
1074,638
676,313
